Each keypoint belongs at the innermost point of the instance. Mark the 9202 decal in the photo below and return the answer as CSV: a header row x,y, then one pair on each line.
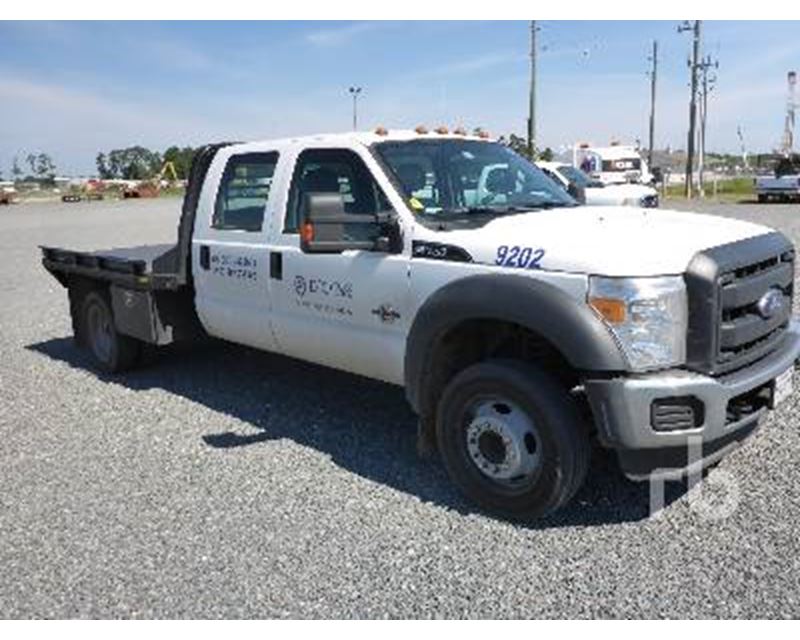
x,y
519,257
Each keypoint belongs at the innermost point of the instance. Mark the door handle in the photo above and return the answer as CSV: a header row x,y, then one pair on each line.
x,y
205,257
276,265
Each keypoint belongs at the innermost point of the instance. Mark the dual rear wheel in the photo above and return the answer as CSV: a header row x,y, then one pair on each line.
x,y
111,351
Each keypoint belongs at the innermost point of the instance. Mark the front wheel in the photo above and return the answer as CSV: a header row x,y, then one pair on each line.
x,y
512,438
112,351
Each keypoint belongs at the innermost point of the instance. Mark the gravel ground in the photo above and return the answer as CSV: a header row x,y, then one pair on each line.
x,y
222,482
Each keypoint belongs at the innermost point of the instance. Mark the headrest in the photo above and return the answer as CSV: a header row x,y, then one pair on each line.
x,y
500,180
320,180
411,176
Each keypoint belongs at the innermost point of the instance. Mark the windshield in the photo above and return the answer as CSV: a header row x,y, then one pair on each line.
x,y
459,178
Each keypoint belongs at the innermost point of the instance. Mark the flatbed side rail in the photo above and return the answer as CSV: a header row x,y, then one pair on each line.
x,y
129,273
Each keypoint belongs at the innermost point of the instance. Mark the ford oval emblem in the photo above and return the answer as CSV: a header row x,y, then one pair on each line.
x,y
770,303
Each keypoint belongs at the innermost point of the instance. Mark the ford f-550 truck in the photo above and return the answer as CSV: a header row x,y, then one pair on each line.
x,y
453,267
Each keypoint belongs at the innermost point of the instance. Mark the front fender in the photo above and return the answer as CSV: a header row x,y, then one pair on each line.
x,y
569,326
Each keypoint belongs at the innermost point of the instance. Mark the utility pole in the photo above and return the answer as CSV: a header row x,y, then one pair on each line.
x,y
532,96
693,64
707,87
355,91
653,73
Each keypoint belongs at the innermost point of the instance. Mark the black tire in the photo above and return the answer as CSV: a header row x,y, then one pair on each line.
x,y
111,351
762,197
561,442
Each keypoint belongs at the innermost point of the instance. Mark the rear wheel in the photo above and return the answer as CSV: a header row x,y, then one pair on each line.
x,y
512,438
111,351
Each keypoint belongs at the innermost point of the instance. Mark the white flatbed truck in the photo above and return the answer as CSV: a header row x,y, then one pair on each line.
x,y
450,266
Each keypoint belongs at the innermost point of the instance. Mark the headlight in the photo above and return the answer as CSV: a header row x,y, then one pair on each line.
x,y
647,316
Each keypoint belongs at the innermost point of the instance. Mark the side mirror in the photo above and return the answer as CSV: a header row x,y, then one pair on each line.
x,y
579,193
326,227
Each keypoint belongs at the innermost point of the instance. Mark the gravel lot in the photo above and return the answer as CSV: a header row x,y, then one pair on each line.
x,y
222,482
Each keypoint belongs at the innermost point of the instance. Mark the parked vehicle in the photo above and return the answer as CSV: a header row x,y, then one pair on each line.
x,y
8,194
449,265
595,193
614,164
783,185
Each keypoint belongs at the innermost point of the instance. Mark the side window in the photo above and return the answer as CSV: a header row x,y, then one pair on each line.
x,y
243,192
333,171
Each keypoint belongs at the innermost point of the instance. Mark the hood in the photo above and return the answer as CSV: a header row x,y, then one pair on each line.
x,y
611,241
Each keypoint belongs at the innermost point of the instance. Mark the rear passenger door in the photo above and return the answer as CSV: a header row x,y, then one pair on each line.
x,y
230,261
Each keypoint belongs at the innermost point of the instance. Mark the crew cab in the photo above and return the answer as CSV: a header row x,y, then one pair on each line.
x,y
594,193
521,324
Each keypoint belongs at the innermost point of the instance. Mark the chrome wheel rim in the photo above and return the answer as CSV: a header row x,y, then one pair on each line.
x,y
502,441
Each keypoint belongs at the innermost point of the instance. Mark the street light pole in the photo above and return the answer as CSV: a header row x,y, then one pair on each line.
x,y
355,91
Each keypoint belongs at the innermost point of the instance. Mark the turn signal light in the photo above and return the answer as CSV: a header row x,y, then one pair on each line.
x,y
307,232
611,309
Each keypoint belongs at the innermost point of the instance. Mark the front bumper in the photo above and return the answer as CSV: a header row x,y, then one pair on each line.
x,y
622,412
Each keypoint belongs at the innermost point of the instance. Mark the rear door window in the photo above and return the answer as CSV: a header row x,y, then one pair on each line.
x,y
243,192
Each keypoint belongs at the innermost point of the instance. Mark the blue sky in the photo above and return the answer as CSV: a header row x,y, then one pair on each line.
x,y
74,88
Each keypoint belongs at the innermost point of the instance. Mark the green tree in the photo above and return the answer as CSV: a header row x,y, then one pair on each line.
x,y
547,155
516,143
45,168
102,167
16,170
132,163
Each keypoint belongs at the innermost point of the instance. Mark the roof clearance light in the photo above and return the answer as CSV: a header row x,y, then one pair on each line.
x,y
483,134
459,131
421,129
442,130
381,131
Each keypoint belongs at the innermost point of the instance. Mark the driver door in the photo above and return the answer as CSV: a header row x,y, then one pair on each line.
x,y
346,310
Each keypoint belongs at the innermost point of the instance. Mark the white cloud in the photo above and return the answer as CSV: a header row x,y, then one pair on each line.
x,y
340,35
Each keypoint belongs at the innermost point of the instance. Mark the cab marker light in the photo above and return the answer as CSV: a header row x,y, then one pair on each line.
x,y
381,131
421,129
459,131
442,130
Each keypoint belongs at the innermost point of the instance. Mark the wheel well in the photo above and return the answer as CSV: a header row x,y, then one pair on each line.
x,y
473,341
